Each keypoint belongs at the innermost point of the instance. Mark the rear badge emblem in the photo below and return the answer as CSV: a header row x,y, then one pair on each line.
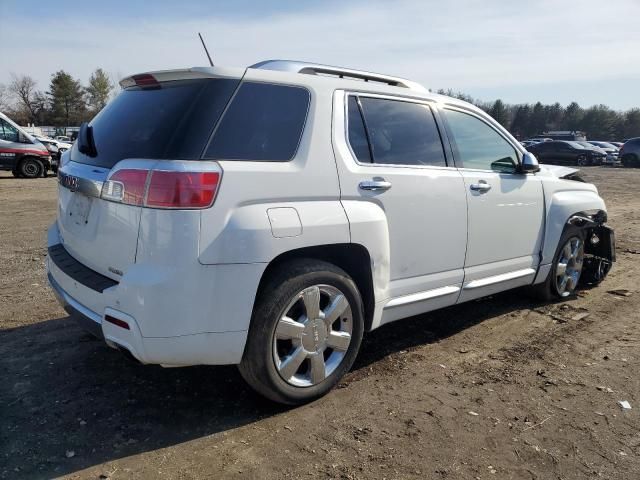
x,y
69,181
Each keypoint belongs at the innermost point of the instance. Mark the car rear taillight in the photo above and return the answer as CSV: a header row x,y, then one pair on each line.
x,y
126,186
162,188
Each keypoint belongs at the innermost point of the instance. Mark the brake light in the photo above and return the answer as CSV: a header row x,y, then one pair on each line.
x,y
181,189
145,80
162,188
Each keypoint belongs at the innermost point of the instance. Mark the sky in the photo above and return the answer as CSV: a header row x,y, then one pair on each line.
x,y
522,52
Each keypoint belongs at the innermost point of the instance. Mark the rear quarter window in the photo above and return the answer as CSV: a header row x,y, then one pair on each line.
x,y
264,122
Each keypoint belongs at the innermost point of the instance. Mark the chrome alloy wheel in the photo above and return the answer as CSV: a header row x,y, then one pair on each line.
x,y
312,336
569,266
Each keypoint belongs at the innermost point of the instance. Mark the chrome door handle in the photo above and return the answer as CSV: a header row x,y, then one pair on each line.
x,y
481,186
374,185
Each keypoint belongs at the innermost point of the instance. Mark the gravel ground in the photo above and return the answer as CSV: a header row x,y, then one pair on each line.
x,y
498,388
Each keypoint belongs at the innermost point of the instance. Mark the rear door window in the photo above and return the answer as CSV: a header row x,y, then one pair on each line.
x,y
263,123
172,120
402,133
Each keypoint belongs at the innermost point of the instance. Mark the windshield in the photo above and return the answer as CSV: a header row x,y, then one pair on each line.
x,y
171,121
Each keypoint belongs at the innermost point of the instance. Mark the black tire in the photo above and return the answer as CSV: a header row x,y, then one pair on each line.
x,y
31,167
630,160
258,366
15,173
582,161
548,290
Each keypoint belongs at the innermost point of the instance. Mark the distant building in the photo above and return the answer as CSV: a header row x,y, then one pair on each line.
x,y
50,131
565,135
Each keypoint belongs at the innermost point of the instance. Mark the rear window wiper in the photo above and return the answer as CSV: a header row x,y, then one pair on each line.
x,y
86,142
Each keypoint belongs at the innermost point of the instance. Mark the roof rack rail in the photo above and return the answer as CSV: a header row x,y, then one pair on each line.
x,y
317,69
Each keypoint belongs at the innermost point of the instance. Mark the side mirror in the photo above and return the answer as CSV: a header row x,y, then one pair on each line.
x,y
529,163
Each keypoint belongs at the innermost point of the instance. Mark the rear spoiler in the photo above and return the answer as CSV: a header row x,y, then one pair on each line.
x,y
147,78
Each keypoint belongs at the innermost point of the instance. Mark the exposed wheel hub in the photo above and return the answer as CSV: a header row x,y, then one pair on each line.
x,y
314,337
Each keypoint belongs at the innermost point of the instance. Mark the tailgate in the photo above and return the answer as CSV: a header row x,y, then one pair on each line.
x,y
99,234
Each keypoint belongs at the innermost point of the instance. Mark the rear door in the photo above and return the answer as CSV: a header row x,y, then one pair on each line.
x,y
505,208
396,161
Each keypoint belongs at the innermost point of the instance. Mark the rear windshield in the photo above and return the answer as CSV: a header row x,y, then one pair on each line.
x,y
171,121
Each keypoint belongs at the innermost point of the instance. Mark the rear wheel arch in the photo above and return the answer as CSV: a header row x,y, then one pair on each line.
x,y
353,258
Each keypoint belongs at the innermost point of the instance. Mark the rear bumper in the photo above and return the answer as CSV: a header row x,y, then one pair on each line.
x,y
181,332
85,318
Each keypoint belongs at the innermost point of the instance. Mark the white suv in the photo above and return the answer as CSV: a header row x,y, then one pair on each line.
x,y
269,216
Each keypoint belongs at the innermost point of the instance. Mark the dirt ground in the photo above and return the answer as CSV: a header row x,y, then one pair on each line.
x,y
501,388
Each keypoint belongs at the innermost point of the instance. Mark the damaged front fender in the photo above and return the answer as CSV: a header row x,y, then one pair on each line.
x,y
599,249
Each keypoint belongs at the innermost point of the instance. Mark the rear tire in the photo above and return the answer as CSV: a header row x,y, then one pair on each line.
x,y
31,168
305,332
566,269
630,160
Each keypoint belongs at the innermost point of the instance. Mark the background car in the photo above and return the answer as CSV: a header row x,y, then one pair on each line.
x,y
56,149
630,153
610,149
617,144
20,152
610,158
590,146
562,152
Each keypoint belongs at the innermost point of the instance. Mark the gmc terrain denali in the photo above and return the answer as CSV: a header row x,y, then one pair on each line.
x,y
269,216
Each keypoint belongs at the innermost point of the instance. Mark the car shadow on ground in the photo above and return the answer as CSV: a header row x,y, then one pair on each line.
x,y
69,402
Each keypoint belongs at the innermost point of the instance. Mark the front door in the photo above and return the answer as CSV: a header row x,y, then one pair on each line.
x,y
394,162
505,208
9,143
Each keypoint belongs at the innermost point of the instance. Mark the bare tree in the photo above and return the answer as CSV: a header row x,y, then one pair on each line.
x,y
23,87
4,97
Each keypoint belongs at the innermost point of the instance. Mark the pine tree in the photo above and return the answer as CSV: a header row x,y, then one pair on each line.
x,y
98,90
500,113
66,97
